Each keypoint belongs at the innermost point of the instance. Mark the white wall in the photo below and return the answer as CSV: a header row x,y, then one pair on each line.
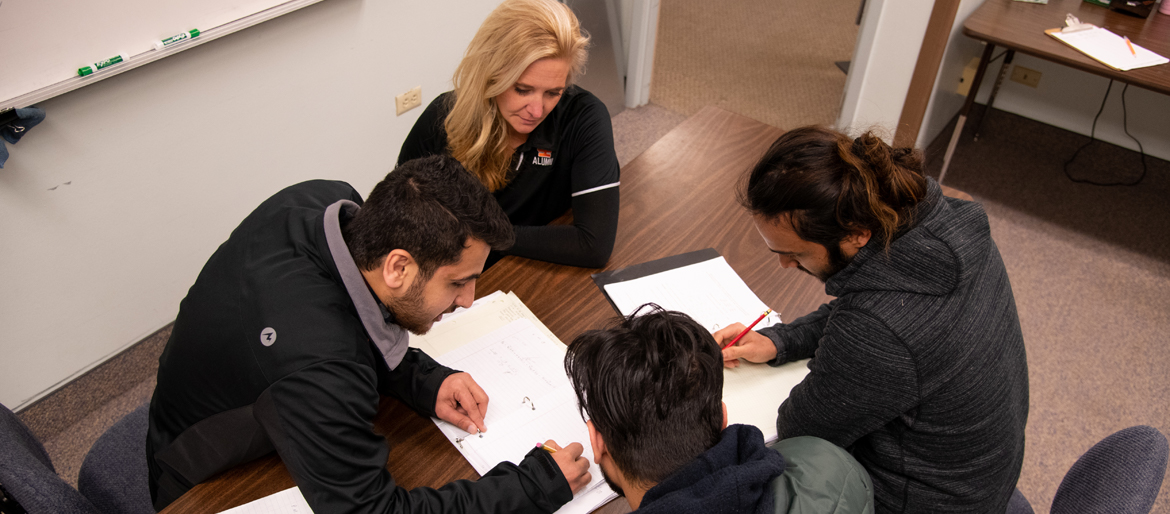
x,y
1066,98
883,63
112,205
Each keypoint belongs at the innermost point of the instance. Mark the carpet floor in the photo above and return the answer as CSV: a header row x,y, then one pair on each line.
x,y
769,60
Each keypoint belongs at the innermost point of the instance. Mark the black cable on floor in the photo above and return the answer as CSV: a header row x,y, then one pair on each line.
x,y
1092,137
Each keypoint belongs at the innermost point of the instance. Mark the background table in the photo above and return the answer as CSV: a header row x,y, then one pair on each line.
x,y
1020,26
676,197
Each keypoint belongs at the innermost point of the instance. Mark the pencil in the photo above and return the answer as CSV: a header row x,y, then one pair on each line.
x,y
546,447
1130,45
746,330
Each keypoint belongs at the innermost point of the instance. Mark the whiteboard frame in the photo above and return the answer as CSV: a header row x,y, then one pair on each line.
x,y
150,56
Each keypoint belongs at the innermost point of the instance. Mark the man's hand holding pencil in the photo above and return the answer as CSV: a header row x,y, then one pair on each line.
x,y
740,342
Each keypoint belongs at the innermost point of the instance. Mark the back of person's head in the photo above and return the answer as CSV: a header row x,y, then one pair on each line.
x,y
429,207
652,385
516,34
833,185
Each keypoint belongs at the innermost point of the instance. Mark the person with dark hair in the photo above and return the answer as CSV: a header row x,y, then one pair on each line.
x,y
650,388
298,323
918,366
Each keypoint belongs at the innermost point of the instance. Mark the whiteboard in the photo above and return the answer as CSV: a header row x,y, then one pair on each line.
x,y
46,41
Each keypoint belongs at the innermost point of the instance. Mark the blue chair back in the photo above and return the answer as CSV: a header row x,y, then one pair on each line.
x,y
114,473
28,476
1121,474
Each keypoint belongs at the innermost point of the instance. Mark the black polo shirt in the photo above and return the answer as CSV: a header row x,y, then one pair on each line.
x,y
567,162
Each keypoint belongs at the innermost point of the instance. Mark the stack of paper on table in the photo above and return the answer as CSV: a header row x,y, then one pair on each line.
x,y
520,364
288,501
707,289
1108,48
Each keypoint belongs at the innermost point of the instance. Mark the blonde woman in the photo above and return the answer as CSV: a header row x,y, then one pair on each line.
x,y
541,144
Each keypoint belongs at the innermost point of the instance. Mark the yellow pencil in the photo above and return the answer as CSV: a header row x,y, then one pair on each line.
x,y
1130,45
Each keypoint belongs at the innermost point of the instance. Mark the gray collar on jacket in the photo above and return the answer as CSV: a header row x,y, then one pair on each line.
x,y
392,340
932,256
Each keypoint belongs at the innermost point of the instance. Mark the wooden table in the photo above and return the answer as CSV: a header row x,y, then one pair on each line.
x,y
1020,26
678,196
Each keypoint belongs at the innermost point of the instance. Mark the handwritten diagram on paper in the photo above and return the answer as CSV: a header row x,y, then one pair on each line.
x,y
530,401
513,363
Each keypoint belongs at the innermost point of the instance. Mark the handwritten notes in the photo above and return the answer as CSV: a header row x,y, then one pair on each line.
x,y
520,364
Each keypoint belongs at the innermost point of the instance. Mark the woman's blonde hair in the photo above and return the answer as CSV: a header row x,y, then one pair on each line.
x,y
515,35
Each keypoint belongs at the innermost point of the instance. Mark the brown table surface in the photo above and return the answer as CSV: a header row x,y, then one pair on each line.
x,y
676,197
1020,26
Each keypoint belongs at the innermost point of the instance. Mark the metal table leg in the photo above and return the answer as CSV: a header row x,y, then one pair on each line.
x,y
1007,63
983,61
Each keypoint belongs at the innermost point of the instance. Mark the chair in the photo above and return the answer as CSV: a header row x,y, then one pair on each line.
x,y
1119,475
114,473
28,476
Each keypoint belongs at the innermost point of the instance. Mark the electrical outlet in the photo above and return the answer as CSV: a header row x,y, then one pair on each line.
x,y
968,77
1025,76
408,100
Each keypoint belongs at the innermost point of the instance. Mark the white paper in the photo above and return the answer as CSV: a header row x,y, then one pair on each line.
x,y
288,501
709,291
486,314
1110,49
754,392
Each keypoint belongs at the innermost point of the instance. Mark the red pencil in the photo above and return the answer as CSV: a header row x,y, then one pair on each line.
x,y
748,329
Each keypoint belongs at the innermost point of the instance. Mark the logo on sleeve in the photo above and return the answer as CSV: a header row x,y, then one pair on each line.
x,y
543,158
268,336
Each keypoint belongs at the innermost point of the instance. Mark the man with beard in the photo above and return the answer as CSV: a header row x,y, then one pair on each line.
x,y
918,366
651,387
297,324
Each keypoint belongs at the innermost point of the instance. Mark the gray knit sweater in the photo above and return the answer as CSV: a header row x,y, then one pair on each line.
x,y
918,366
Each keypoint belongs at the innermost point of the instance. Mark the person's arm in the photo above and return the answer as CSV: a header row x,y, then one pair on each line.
x,y
799,339
778,344
415,381
435,390
588,242
861,378
427,137
320,421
